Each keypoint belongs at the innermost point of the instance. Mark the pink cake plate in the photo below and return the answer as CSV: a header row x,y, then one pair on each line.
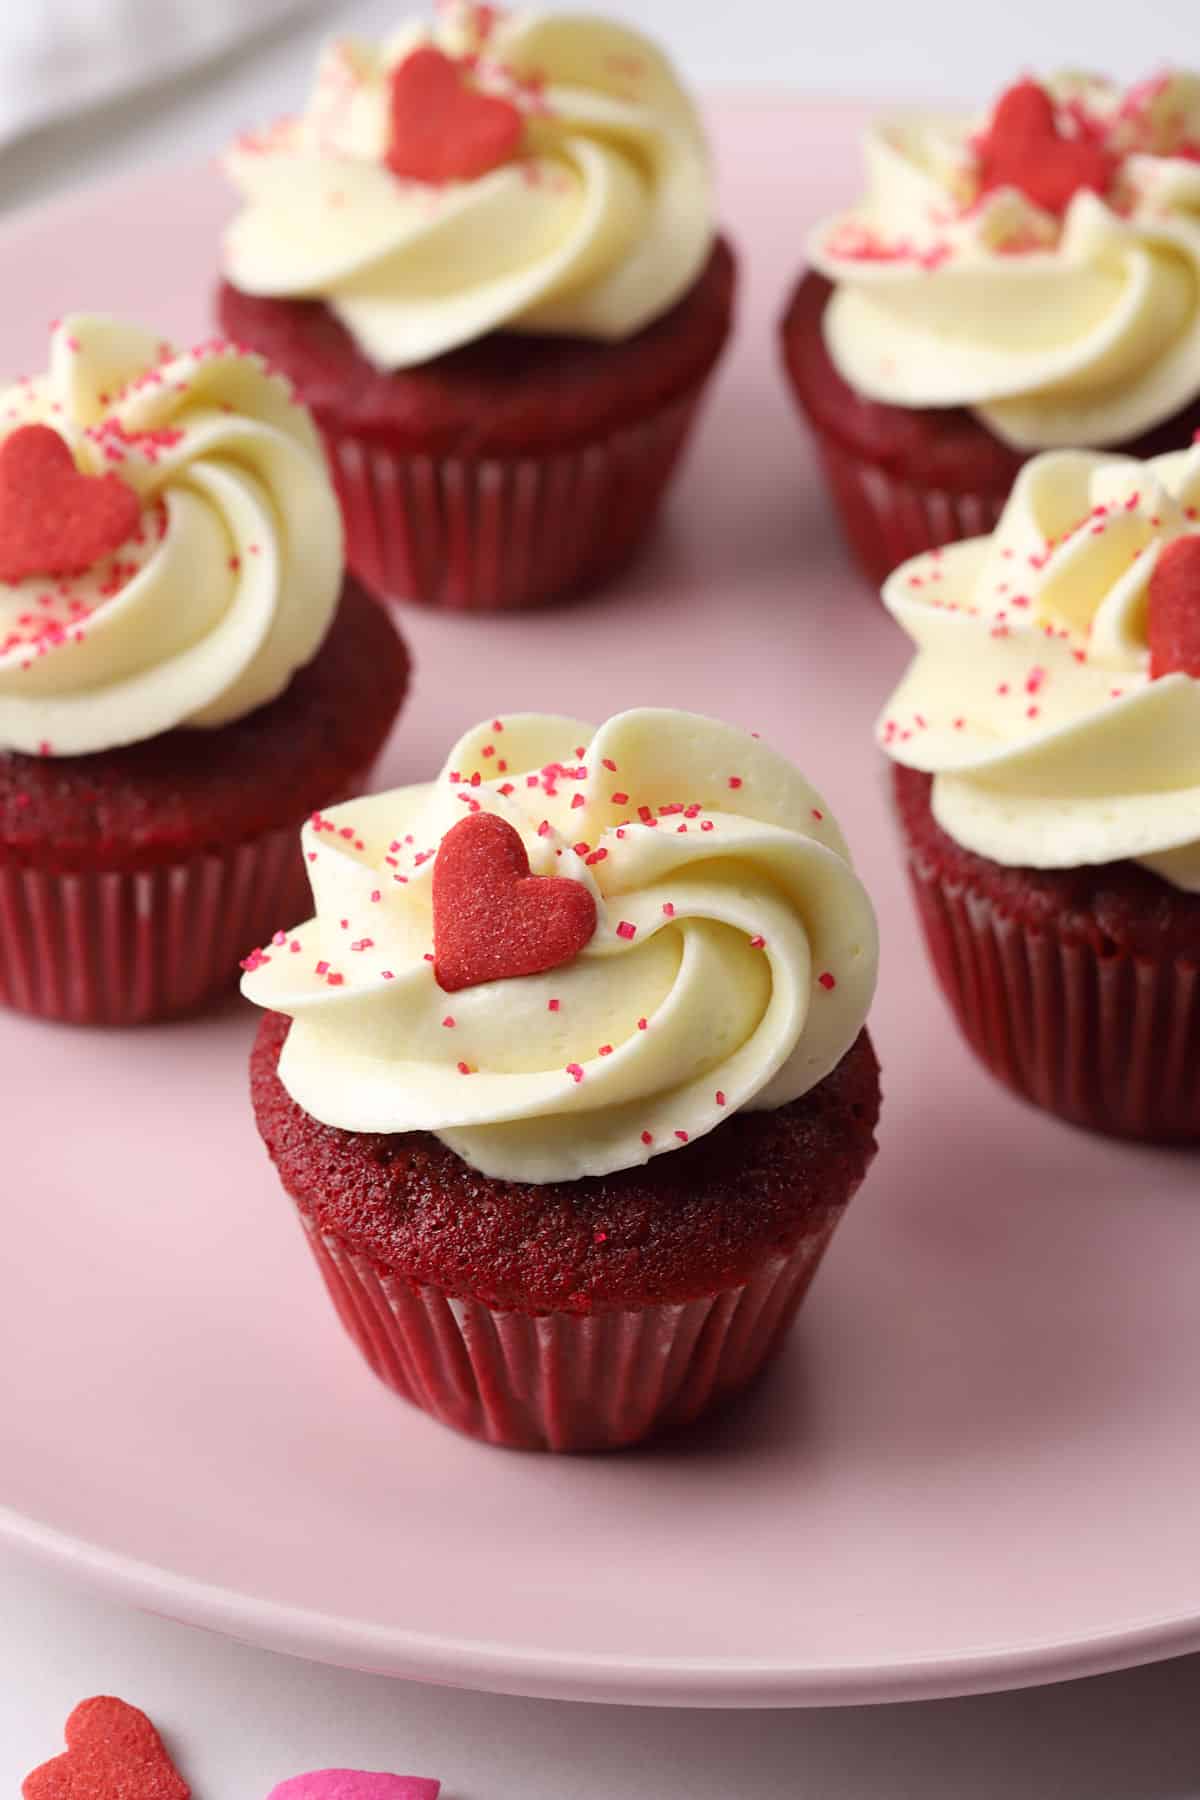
x,y
977,1464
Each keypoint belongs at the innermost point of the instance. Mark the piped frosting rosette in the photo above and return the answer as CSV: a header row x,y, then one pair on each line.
x,y
229,561
1042,695
1040,266
731,964
583,205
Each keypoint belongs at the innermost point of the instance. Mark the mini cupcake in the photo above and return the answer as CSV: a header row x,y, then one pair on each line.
x,y
485,254
568,1078
1022,283
184,674
1047,737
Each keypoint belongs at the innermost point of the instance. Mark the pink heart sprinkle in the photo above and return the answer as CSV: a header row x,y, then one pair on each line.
x,y
355,1784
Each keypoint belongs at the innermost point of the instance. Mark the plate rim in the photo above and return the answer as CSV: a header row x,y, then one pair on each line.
x,y
490,1666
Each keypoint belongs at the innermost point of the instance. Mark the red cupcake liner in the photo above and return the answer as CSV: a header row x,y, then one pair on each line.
x,y
563,1381
113,948
481,535
885,520
1109,1041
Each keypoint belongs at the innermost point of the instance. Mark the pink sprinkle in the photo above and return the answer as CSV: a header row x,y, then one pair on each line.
x,y
669,909
388,975
756,943
720,1098
497,725
543,829
620,799
608,763
553,1005
647,1137
596,856
575,1072
335,980
817,814
464,1068
429,956
376,896
682,1136
605,1050
448,1022
827,981
577,800
626,930
735,781
363,944
706,825
1031,712
506,788
322,968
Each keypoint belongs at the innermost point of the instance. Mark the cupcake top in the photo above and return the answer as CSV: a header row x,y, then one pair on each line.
x,y
1055,691
577,949
170,545
1040,265
530,171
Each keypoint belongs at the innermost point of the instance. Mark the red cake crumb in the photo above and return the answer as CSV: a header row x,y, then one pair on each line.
x,y
690,1223
1111,907
508,394
944,447
188,791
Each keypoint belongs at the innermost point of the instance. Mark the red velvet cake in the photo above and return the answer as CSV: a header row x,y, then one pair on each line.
x,y
568,1172
1023,282
502,313
1047,743
185,671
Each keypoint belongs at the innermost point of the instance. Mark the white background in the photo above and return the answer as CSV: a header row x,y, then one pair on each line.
x,y
241,1719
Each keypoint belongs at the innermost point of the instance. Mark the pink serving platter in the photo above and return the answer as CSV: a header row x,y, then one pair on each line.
x,y
976,1466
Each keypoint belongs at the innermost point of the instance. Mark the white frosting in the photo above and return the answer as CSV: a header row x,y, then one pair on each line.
x,y
1030,695
732,965
1079,330
232,576
598,225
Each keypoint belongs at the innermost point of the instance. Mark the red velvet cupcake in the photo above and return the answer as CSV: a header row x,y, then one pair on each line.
x,y
485,255
572,1105
184,671
1022,284
1048,737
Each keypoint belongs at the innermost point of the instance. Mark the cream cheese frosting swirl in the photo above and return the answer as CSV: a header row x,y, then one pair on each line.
x,y
1030,697
1055,331
597,225
732,964
228,583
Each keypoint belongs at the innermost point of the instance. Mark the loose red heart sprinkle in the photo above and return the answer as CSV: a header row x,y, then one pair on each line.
x,y
53,520
1173,626
113,1753
1023,148
441,128
492,919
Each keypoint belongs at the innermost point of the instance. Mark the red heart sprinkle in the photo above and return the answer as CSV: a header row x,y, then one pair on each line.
x,y
1173,626
443,130
113,1753
1023,148
53,520
492,919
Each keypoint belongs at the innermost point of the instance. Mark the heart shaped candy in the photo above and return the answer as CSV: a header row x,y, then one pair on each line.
x,y
355,1784
1173,623
443,130
492,919
113,1753
53,520
1023,148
